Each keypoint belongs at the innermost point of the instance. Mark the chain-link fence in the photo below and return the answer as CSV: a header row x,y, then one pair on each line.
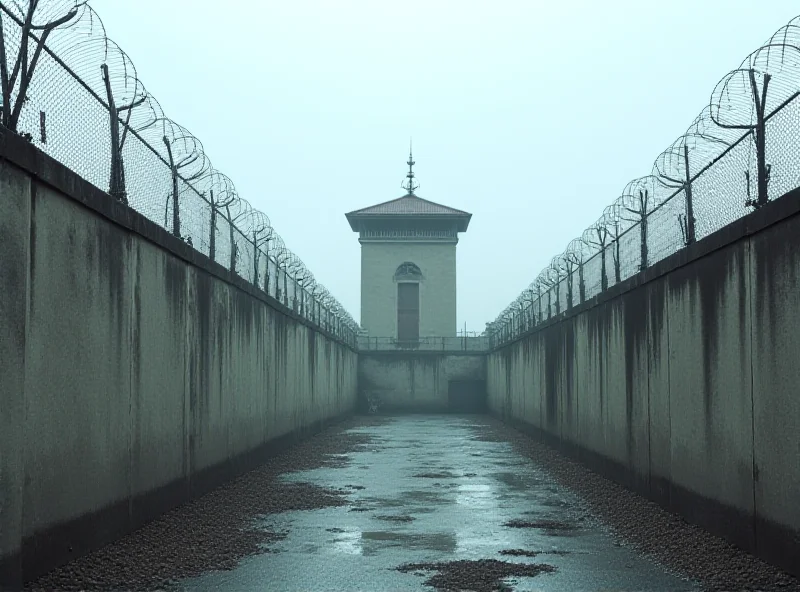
x,y
741,151
75,94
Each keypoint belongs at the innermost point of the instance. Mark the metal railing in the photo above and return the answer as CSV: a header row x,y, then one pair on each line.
x,y
445,344
75,94
742,151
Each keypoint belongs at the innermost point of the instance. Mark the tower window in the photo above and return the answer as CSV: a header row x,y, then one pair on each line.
x,y
408,272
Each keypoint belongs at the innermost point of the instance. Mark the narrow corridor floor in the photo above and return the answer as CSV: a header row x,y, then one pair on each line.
x,y
432,504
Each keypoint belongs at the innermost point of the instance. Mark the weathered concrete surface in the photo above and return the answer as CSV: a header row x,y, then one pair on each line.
x,y
682,382
427,490
437,289
15,213
775,281
416,381
710,386
137,377
78,368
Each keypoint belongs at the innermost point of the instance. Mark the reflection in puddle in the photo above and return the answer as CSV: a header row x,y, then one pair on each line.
x,y
435,541
417,504
421,495
384,502
357,542
348,542
476,495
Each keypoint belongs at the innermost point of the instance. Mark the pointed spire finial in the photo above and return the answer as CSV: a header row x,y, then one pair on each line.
x,y
410,185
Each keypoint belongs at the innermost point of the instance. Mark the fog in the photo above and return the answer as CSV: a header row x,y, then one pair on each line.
x,y
530,115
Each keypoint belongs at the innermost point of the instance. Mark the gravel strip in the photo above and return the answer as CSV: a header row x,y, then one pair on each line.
x,y
484,575
647,527
216,531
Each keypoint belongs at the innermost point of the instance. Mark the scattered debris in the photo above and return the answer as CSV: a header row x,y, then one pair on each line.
x,y
395,518
526,553
484,575
519,553
439,475
543,524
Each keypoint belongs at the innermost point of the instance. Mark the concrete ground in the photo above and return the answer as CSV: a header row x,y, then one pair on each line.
x,y
431,504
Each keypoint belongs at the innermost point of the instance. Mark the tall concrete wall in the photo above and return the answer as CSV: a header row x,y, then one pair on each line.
x,y
417,381
134,372
683,382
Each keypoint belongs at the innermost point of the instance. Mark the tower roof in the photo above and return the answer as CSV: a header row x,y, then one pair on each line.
x,y
409,206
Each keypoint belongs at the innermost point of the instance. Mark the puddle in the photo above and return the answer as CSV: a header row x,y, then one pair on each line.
x,y
372,542
422,495
445,542
471,516
541,524
514,481
446,485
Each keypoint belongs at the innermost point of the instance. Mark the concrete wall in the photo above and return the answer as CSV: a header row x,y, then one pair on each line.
x,y
437,290
416,381
134,372
15,212
683,382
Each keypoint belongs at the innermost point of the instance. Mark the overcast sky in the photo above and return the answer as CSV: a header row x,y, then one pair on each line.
x,y
530,115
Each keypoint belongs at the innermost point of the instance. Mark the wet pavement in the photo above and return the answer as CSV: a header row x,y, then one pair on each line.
x,y
431,502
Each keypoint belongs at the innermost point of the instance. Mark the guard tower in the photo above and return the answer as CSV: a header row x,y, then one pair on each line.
x,y
408,265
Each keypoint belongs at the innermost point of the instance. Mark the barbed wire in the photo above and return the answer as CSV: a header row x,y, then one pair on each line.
x,y
740,152
75,94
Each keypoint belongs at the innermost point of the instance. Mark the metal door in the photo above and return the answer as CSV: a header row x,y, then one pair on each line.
x,y
407,312
467,396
